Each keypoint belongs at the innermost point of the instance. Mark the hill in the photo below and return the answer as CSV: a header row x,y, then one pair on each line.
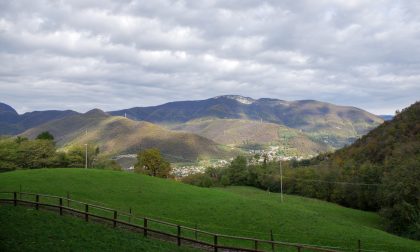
x,y
249,134
26,230
11,123
234,210
380,171
335,125
118,135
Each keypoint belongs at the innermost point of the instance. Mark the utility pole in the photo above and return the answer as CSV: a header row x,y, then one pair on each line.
x,y
281,182
86,154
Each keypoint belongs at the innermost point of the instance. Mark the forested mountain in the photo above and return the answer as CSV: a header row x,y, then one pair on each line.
x,y
118,135
12,123
380,171
332,124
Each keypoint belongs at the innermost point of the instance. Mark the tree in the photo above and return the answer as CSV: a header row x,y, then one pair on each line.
x,y
238,172
77,155
36,154
151,162
8,154
45,136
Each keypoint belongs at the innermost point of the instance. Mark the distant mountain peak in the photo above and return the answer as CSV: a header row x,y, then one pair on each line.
x,y
96,112
238,98
6,108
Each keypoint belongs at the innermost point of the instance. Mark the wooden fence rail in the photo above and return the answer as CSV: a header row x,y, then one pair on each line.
x,y
213,242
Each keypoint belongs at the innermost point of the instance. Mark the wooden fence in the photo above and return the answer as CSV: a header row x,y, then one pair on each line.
x,y
168,231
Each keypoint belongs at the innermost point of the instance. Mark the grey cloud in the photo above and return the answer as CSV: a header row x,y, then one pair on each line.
x,y
119,54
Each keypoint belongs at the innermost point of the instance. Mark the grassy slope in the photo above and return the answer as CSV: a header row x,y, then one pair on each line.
x,y
25,229
235,210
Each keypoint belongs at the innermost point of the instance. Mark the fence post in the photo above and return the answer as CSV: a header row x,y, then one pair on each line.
x,y
215,243
196,233
256,245
359,245
61,206
145,227
68,199
272,240
37,202
129,217
14,198
86,212
115,219
298,248
178,237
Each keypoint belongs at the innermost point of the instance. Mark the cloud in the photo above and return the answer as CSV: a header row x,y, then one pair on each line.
x,y
119,54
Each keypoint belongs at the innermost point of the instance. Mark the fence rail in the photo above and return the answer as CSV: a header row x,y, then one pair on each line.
x,y
213,241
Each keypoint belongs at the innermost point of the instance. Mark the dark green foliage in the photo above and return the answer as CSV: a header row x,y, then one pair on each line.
x,y
45,136
152,163
400,197
238,172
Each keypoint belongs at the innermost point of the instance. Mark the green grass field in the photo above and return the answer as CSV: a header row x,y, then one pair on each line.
x,y
25,229
239,211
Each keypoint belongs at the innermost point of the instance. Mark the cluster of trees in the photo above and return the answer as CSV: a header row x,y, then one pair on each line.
x,y
379,172
22,153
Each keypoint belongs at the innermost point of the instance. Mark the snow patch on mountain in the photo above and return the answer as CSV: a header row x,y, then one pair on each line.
x,y
238,98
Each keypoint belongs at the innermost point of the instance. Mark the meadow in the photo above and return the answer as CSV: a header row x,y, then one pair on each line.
x,y
25,229
241,211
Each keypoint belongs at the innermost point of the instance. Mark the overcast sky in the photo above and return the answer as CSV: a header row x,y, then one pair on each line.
x,y
108,54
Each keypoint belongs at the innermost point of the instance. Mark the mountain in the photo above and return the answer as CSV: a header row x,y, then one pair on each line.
x,y
386,117
11,123
332,124
118,135
380,171
249,134
8,120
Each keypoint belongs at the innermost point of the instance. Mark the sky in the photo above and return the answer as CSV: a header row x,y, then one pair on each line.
x,y
85,54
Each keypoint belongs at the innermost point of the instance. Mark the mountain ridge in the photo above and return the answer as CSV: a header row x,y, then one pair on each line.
x,y
12,123
333,124
116,135
253,135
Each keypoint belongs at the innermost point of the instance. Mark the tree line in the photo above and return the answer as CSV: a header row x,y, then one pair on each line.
x,y
41,152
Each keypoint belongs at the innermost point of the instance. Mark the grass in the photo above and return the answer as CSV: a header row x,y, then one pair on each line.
x,y
239,211
25,229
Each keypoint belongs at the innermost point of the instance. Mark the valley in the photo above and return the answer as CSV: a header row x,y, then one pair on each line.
x,y
195,134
